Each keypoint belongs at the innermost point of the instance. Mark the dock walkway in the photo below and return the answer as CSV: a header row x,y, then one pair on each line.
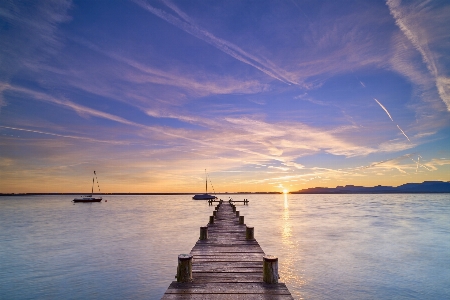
x,y
226,265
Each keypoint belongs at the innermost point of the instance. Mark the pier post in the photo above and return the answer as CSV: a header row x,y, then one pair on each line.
x,y
211,219
249,233
184,269
270,269
241,220
203,233
215,213
237,213
234,208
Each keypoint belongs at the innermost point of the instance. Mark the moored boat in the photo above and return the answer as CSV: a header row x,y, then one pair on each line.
x,y
205,196
90,198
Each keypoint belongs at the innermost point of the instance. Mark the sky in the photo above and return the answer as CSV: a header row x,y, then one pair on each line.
x,y
263,95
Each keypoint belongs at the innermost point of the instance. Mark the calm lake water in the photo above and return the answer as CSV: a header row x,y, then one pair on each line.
x,y
329,246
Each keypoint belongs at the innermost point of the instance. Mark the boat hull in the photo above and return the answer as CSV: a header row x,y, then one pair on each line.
x,y
204,197
86,200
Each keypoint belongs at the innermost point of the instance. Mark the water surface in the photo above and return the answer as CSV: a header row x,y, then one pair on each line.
x,y
329,246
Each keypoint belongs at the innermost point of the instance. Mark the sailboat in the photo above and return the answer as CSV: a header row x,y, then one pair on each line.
x,y
205,196
91,197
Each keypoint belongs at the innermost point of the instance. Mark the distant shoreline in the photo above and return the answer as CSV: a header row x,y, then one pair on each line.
x,y
426,187
244,193
134,194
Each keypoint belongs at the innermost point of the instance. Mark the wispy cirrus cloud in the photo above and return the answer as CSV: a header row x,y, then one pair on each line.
x,y
281,142
185,23
31,34
199,83
424,25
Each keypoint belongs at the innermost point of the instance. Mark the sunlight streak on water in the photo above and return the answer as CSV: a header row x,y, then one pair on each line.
x,y
289,266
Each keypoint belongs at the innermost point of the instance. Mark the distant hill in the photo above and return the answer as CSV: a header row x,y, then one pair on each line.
x,y
424,187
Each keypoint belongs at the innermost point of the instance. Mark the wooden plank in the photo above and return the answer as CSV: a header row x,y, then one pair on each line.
x,y
220,249
246,264
238,255
228,287
225,297
226,270
227,277
201,259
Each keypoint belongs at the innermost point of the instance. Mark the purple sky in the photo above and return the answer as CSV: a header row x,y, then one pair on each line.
x,y
264,95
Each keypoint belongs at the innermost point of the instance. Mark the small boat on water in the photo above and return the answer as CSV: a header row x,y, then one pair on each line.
x,y
90,198
205,196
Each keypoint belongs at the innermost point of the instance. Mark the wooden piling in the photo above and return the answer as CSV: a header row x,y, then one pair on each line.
x,y
184,269
241,220
249,233
270,269
211,219
203,233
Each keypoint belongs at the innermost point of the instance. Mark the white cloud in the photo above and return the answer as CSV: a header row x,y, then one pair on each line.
x,y
422,24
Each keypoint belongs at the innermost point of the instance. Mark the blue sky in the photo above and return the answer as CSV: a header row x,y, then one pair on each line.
x,y
264,95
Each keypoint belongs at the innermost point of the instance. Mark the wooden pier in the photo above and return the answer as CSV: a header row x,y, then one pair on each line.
x,y
227,263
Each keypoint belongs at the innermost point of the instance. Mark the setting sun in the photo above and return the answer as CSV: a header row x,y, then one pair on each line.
x,y
285,191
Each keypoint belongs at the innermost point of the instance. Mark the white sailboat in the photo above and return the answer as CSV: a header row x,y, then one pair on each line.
x,y
205,196
91,197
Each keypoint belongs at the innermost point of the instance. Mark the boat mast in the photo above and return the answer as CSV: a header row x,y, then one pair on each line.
x,y
98,185
206,177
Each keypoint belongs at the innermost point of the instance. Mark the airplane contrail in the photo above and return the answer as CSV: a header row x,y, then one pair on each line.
x,y
384,109
404,133
64,136
417,162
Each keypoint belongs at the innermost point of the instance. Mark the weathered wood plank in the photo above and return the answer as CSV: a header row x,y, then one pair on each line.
x,y
233,248
225,270
229,288
230,256
246,264
227,277
226,297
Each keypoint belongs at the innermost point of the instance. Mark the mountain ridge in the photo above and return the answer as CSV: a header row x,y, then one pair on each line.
x,y
424,187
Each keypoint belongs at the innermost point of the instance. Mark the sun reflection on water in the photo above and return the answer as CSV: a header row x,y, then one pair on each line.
x,y
292,251
287,223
